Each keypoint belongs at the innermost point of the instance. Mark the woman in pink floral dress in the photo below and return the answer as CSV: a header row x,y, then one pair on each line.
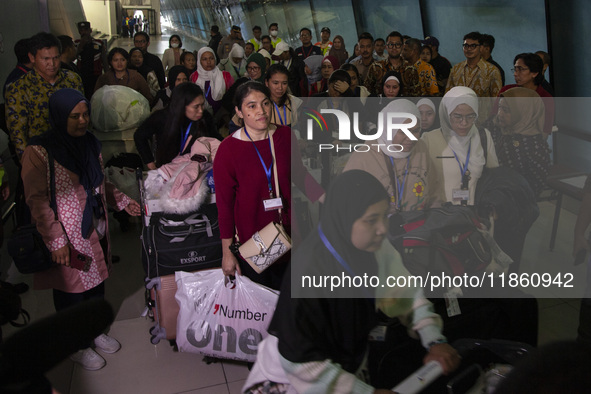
x,y
76,226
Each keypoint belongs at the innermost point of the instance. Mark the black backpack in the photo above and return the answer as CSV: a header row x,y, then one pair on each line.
x,y
440,241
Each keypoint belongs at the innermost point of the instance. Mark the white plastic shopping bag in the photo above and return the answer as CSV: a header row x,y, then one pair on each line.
x,y
222,319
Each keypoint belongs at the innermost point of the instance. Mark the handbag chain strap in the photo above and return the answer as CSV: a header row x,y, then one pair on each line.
x,y
275,174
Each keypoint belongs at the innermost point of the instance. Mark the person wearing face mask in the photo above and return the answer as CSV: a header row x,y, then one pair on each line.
x,y
172,55
211,79
455,150
403,169
235,63
274,32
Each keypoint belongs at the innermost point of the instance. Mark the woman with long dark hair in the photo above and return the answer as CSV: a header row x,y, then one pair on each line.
x,y
156,122
243,172
285,105
186,122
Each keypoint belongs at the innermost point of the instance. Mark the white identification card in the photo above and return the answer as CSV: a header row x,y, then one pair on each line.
x,y
452,304
272,204
460,195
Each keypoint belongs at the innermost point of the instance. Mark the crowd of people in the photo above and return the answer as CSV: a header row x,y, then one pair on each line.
x,y
246,94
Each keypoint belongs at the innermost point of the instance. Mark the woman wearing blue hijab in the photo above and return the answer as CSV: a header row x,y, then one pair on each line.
x,y
72,222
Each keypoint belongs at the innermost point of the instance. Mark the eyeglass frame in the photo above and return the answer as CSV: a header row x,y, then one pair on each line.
x,y
470,46
253,68
470,118
520,69
394,44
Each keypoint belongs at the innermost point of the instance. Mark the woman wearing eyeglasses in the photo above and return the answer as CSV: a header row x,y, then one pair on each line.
x,y
456,150
528,74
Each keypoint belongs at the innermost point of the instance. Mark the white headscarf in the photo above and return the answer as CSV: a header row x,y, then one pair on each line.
x,y
427,102
215,76
461,144
236,51
397,105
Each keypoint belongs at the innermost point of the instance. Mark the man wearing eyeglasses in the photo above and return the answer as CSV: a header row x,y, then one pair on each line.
x,y
441,65
307,49
394,62
475,72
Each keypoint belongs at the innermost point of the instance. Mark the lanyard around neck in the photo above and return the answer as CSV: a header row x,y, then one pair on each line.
x,y
464,169
400,186
279,114
339,258
185,137
267,170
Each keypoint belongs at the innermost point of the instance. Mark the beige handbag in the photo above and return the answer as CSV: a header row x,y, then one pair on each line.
x,y
269,243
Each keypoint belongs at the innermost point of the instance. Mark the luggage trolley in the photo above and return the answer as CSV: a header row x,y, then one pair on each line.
x,y
171,243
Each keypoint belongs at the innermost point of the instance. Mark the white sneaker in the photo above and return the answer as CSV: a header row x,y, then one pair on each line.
x,y
107,344
88,359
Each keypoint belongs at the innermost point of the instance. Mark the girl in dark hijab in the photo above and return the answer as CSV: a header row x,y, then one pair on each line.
x,y
319,344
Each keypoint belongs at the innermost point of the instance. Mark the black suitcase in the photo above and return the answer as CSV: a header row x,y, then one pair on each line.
x,y
173,243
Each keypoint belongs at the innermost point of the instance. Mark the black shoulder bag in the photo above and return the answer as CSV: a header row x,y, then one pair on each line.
x,y
26,245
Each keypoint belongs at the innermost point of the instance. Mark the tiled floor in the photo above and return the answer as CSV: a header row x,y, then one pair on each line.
x,y
141,367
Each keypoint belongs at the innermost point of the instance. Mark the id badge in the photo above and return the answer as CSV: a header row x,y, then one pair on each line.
x,y
272,204
452,304
460,195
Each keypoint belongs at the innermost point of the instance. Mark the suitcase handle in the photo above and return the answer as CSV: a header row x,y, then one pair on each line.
x,y
195,226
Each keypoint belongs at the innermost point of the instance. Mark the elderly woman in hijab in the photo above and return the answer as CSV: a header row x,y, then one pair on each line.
x,y
74,222
318,340
456,150
401,164
211,79
519,140
235,63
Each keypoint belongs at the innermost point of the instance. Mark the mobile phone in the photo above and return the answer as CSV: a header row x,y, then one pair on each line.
x,y
79,260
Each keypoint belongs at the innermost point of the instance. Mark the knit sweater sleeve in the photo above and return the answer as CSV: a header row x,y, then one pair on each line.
x,y
225,179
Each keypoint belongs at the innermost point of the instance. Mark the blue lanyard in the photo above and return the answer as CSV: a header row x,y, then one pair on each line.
x,y
267,170
400,187
463,170
185,138
208,90
279,114
337,256
332,251
237,71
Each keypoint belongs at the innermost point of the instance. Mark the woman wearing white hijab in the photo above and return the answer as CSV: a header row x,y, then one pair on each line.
x,y
211,79
235,63
404,174
455,150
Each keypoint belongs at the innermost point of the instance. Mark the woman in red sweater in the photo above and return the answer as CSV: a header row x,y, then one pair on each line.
x,y
243,175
